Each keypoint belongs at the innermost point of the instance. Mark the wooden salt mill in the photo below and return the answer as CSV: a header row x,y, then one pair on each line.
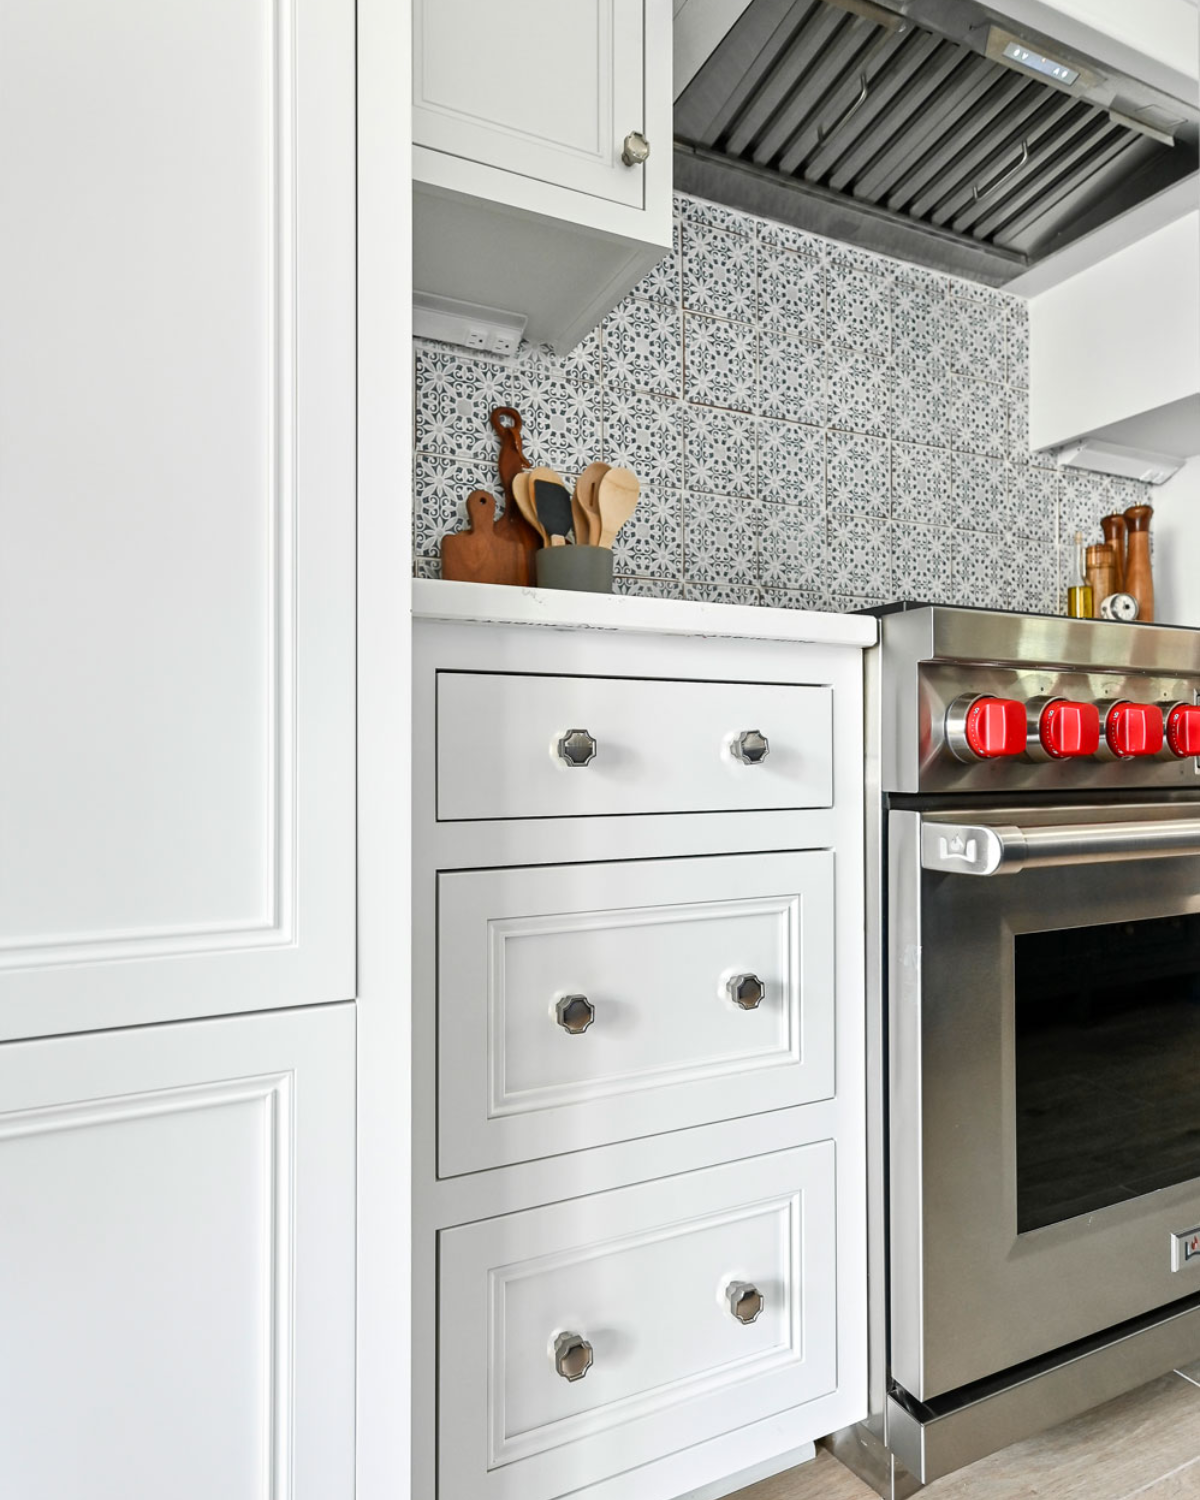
x,y
1138,579
1101,576
1114,529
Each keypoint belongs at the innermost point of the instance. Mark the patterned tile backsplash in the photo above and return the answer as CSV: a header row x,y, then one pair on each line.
x,y
813,426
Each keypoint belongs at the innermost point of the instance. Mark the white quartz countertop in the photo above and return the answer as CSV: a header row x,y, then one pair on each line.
x,y
562,609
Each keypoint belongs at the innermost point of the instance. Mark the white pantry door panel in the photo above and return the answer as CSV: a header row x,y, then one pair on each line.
x,y
176,507
542,89
177,1261
651,946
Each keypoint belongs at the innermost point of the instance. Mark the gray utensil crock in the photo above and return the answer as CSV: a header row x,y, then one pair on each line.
x,y
587,568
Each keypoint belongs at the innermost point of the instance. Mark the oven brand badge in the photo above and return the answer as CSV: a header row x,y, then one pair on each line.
x,y
958,847
1185,1249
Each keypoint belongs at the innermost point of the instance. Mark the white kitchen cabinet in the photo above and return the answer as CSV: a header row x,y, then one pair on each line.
x,y
524,200
177,1261
177,388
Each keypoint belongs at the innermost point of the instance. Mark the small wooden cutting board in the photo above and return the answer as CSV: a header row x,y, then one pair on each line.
x,y
480,555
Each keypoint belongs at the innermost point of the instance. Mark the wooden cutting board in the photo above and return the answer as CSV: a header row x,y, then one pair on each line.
x,y
511,461
482,554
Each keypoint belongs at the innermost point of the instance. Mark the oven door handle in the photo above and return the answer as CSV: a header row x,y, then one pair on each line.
x,y
989,849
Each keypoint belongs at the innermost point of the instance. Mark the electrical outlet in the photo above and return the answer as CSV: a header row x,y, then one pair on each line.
x,y
477,338
505,342
485,329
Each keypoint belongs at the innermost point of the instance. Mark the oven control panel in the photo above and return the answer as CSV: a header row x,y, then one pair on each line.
x,y
1006,728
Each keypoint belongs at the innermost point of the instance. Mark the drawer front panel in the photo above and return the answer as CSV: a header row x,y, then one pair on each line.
x,y
661,747
584,1004
642,1275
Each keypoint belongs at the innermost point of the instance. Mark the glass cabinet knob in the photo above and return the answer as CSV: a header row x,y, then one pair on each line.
x,y
635,149
575,1013
572,1356
751,747
747,991
745,1300
577,748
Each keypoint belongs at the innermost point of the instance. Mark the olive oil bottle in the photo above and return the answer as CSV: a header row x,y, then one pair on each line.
x,y
1079,591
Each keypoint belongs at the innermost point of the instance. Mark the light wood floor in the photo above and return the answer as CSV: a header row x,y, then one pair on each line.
x,y
1145,1444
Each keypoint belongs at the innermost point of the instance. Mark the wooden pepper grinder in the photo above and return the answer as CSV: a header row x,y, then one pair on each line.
x,y
512,525
1138,579
1114,530
1101,575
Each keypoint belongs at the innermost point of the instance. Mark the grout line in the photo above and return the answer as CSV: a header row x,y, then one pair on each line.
x,y
1190,1379
1192,1463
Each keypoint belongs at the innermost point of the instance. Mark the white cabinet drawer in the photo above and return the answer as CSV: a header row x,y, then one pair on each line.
x,y
660,747
648,949
642,1275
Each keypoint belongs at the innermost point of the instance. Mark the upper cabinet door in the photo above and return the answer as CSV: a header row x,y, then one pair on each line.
x,y
176,508
547,90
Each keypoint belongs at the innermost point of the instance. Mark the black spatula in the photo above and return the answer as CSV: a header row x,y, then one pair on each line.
x,y
553,503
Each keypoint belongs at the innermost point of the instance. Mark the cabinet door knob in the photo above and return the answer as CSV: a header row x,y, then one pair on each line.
x,y
575,1013
751,747
577,748
747,991
636,149
745,1300
572,1356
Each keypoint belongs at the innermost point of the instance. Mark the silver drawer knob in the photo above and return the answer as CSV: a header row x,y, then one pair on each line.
x,y
577,748
747,991
635,149
751,747
745,1300
575,1013
572,1356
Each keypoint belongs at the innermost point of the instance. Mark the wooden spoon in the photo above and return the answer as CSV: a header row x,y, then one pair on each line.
x,y
585,495
615,500
523,495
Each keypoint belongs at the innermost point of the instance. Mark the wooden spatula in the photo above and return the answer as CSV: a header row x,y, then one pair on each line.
x,y
553,508
523,495
615,500
482,555
542,474
585,500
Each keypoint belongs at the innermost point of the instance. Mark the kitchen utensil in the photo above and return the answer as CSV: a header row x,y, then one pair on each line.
x,y
1123,607
1115,529
615,500
481,554
553,507
585,488
1101,576
580,567
510,461
1139,580
523,495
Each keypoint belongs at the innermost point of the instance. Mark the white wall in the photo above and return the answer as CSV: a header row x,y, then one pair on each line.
x,y
1177,548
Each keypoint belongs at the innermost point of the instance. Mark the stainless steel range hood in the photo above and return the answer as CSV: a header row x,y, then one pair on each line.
x,y
932,130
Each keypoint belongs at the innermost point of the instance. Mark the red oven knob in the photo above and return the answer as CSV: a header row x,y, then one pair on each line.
x,y
995,727
1069,730
1183,730
1132,729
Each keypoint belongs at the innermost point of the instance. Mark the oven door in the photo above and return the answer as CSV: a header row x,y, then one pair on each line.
x,y
1044,1075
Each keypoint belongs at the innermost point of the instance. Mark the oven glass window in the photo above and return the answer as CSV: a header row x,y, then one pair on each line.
x,y
1107,1065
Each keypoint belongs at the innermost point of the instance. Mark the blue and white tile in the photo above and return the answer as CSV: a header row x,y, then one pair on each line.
x,y
1124,493
859,309
644,433
643,348
650,544
979,490
720,539
1032,508
976,340
662,282
720,362
791,463
1022,572
842,258
788,237
719,273
1045,581
979,417
648,588
1083,500
791,289
791,376
1018,434
721,451
919,319
976,570
455,395
1016,342
717,215
793,547
818,601
579,365
920,484
858,390
922,563
859,560
560,422
858,480
919,395
440,489
426,567
722,593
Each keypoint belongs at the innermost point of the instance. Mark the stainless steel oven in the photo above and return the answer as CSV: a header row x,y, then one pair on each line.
x,y
1036,818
